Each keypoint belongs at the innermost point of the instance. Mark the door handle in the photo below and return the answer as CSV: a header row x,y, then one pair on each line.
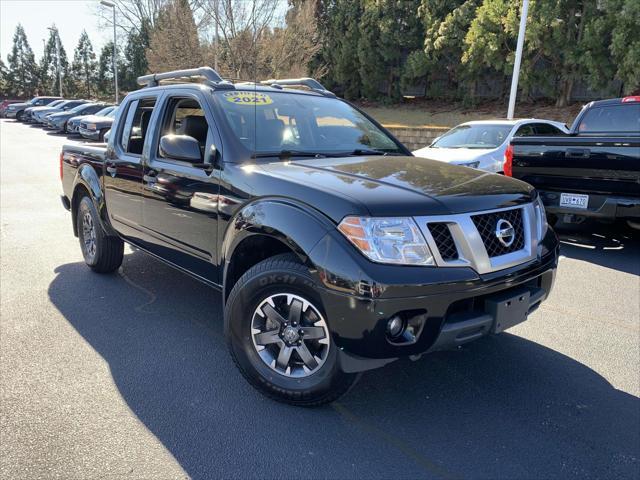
x,y
578,153
112,170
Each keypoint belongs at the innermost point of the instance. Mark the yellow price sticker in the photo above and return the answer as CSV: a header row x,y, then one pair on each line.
x,y
248,98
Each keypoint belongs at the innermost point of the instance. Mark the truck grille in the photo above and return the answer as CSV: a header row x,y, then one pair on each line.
x,y
444,240
486,225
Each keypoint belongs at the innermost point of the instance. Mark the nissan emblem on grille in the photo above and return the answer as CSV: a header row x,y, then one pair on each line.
x,y
505,232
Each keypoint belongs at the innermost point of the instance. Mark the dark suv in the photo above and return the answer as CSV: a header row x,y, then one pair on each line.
x,y
335,250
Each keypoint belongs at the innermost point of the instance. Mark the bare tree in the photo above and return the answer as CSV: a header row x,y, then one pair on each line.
x,y
288,51
174,42
240,25
131,14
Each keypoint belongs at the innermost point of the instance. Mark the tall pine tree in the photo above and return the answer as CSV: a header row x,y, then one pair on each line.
x,y
135,57
22,75
49,73
84,67
174,41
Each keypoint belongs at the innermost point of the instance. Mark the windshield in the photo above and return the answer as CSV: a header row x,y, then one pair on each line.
x,y
55,103
103,112
474,136
275,122
79,108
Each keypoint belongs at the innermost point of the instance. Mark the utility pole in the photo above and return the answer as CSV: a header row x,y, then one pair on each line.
x,y
215,50
55,31
518,59
112,5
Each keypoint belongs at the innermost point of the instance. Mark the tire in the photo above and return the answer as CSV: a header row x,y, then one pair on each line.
x,y
20,116
282,279
102,253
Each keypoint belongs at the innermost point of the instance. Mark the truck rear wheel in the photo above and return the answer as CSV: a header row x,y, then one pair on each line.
x,y
102,253
278,335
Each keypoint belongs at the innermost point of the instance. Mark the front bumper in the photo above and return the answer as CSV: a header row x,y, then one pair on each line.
x,y
603,207
10,114
90,134
447,307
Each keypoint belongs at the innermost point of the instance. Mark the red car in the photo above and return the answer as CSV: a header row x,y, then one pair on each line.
x,y
5,103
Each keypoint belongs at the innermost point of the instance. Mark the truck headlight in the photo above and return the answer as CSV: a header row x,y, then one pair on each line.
x,y
394,240
541,218
91,126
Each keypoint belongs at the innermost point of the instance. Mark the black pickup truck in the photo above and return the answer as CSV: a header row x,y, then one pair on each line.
x,y
594,171
336,251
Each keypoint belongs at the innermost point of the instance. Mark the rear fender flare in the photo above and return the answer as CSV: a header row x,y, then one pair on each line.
x,y
88,179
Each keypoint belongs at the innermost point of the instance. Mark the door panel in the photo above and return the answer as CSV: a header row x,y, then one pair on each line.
x,y
180,207
124,171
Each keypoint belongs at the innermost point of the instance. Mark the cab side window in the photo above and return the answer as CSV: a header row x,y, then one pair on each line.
x,y
136,125
525,131
546,129
185,116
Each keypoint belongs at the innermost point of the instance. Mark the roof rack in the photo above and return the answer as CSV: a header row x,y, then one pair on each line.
x,y
211,77
310,83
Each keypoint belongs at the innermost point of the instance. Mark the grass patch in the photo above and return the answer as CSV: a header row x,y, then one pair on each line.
x,y
426,113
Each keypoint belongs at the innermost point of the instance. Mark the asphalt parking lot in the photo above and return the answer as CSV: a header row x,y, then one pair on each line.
x,y
127,375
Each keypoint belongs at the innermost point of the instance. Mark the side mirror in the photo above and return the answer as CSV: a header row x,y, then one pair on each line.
x,y
180,147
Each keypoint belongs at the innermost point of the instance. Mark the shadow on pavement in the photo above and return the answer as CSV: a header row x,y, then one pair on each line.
x,y
501,407
613,246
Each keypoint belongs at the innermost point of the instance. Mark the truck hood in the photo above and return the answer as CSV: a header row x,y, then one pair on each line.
x,y
404,185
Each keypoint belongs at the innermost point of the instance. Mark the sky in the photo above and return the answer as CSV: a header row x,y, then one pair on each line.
x,y
70,16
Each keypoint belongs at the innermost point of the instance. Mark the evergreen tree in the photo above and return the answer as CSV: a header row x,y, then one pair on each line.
x,y
48,69
84,67
340,33
389,31
174,43
135,56
104,81
625,42
22,75
4,86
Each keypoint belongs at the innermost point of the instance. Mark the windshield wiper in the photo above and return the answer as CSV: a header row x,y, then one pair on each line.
x,y
289,153
367,151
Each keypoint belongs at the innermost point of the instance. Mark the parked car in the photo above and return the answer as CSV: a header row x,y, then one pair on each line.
x,y
5,103
481,144
73,124
28,115
39,117
594,172
94,127
334,249
58,121
16,110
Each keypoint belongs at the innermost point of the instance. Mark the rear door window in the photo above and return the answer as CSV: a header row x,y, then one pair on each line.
x,y
137,122
624,118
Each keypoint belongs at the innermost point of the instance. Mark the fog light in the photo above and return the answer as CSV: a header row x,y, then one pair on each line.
x,y
395,326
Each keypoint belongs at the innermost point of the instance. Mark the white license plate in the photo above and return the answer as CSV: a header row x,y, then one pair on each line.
x,y
574,200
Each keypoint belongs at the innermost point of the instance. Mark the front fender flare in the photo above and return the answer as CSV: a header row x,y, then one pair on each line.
x,y
295,225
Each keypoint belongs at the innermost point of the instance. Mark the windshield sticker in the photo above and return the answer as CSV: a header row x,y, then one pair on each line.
x,y
248,98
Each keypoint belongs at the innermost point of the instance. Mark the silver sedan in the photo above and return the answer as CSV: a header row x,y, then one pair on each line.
x,y
482,144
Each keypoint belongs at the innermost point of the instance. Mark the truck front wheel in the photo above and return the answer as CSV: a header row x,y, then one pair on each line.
x,y
279,337
102,253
